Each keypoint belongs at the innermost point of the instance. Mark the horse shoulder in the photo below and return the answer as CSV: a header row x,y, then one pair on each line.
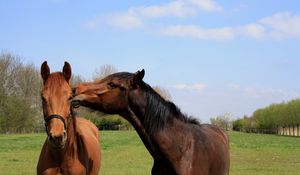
x,y
88,134
87,128
177,143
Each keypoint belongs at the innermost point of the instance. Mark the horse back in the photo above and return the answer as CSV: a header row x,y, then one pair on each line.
x,y
213,147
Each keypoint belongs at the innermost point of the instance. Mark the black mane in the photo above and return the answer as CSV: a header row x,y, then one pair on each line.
x,y
159,111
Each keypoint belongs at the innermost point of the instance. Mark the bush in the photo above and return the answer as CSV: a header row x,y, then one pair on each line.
x,y
104,121
17,116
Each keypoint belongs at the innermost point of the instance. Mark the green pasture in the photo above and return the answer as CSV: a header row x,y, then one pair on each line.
x,y
124,154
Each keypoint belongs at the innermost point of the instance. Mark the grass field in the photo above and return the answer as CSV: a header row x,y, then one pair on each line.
x,y
257,154
124,154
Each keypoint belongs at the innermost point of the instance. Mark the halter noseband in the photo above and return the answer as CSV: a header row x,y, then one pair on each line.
x,y
50,117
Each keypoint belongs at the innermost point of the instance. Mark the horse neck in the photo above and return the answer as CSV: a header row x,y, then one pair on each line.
x,y
155,142
71,146
136,123
137,111
153,112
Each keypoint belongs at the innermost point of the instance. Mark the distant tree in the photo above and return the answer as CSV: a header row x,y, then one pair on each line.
x,y
20,95
268,119
223,121
104,71
10,66
29,83
238,125
294,107
76,79
244,124
163,92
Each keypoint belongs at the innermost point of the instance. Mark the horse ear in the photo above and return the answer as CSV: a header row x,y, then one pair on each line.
x,y
67,71
45,71
138,77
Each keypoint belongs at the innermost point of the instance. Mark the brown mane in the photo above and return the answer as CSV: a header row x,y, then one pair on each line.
x,y
162,109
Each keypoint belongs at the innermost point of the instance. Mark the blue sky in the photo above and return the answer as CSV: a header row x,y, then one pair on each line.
x,y
214,56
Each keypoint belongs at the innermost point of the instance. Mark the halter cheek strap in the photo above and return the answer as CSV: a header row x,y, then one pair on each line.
x,y
50,117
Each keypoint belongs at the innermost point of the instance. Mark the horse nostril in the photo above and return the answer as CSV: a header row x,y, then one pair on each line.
x,y
75,103
57,139
52,139
50,136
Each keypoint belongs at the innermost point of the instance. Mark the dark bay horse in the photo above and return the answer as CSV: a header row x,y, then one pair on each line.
x,y
72,146
178,144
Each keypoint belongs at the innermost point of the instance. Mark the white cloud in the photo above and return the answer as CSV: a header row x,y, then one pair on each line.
x,y
173,8
252,30
206,5
240,7
196,86
277,26
282,25
177,8
124,21
262,93
135,17
198,32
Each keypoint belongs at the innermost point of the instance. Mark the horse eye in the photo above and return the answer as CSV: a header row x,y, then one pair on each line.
x,y
111,85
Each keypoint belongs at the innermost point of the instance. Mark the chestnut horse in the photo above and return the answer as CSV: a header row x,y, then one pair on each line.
x,y
178,144
72,146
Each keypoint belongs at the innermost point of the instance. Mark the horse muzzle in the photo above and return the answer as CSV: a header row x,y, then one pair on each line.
x,y
56,137
57,141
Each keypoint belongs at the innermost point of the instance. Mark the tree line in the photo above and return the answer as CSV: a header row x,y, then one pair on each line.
x,y
21,111
20,99
268,119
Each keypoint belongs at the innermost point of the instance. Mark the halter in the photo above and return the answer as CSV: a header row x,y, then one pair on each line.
x,y
50,117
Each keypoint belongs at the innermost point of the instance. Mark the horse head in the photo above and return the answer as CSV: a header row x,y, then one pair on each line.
x,y
111,94
56,96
